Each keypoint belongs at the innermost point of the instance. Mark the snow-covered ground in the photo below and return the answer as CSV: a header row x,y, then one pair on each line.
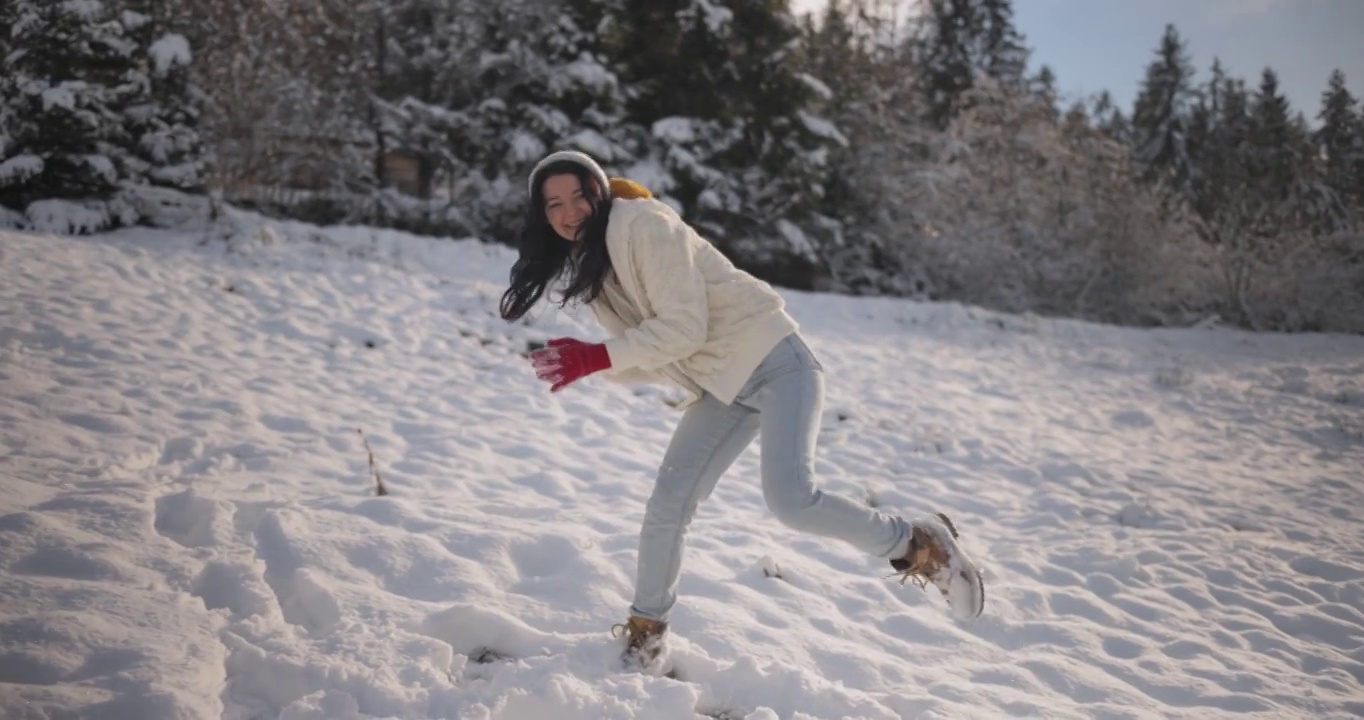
x,y
1171,521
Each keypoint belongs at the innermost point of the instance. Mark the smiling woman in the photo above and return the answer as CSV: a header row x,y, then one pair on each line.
x,y
679,312
567,206
564,232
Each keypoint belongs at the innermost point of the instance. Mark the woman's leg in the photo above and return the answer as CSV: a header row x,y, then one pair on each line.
x,y
790,401
708,439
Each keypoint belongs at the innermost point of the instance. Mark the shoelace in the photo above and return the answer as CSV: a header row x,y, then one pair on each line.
x,y
920,574
637,638
922,571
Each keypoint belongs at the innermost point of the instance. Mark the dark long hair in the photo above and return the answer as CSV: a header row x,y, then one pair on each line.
x,y
544,256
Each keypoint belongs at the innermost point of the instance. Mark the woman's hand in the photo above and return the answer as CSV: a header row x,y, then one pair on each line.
x,y
564,361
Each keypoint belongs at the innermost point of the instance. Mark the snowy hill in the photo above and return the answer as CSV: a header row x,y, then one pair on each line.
x,y
1171,521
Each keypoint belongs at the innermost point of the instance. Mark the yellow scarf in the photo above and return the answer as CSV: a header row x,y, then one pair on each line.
x,y
628,189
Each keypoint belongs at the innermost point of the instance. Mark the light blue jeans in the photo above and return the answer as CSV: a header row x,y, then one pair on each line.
x,y
782,400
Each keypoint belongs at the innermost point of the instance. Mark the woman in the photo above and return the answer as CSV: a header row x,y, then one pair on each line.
x,y
678,311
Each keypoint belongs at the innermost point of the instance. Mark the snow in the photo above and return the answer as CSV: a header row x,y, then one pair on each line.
x,y
101,166
593,143
716,18
171,50
816,85
822,128
1169,520
524,147
132,20
679,130
796,240
182,175
84,9
10,219
63,96
585,72
76,216
19,169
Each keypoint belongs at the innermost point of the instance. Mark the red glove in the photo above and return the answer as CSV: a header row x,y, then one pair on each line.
x,y
566,360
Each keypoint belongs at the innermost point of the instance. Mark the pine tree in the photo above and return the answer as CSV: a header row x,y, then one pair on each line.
x,y
66,83
1109,118
559,91
166,146
1205,150
785,139
968,40
1225,195
1160,118
732,120
1075,121
1273,165
865,89
9,173
419,56
947,67
1340,141
1359,164
1234,124
836,61
1203,117
1281,168
1043,90
481,91
1003,55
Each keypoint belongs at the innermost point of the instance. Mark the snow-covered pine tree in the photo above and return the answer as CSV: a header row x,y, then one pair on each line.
x,y
782,155
945,56
164,124
963,41
9,218
1282,169
1340,143
1263,208
1337,280
1209,155
534,77
587,87
734,125
1273,161
66,83
1359,162
1002,54
675,55
1160,118
1320,209
1042,86
421,55
868,93
1109,119
1229,171
1223,203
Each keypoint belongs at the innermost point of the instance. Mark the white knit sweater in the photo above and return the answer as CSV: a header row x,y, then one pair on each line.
x,y
678,310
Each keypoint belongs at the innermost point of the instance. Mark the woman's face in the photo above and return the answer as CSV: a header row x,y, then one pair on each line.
x,y
566,207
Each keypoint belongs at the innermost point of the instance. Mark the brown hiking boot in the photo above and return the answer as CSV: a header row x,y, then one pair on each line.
x,y
935,557
644,639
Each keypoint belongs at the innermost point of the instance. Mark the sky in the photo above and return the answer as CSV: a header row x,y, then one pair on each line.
x,y
1094,45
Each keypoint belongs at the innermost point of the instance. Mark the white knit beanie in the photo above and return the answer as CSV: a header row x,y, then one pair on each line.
x,y
571,156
